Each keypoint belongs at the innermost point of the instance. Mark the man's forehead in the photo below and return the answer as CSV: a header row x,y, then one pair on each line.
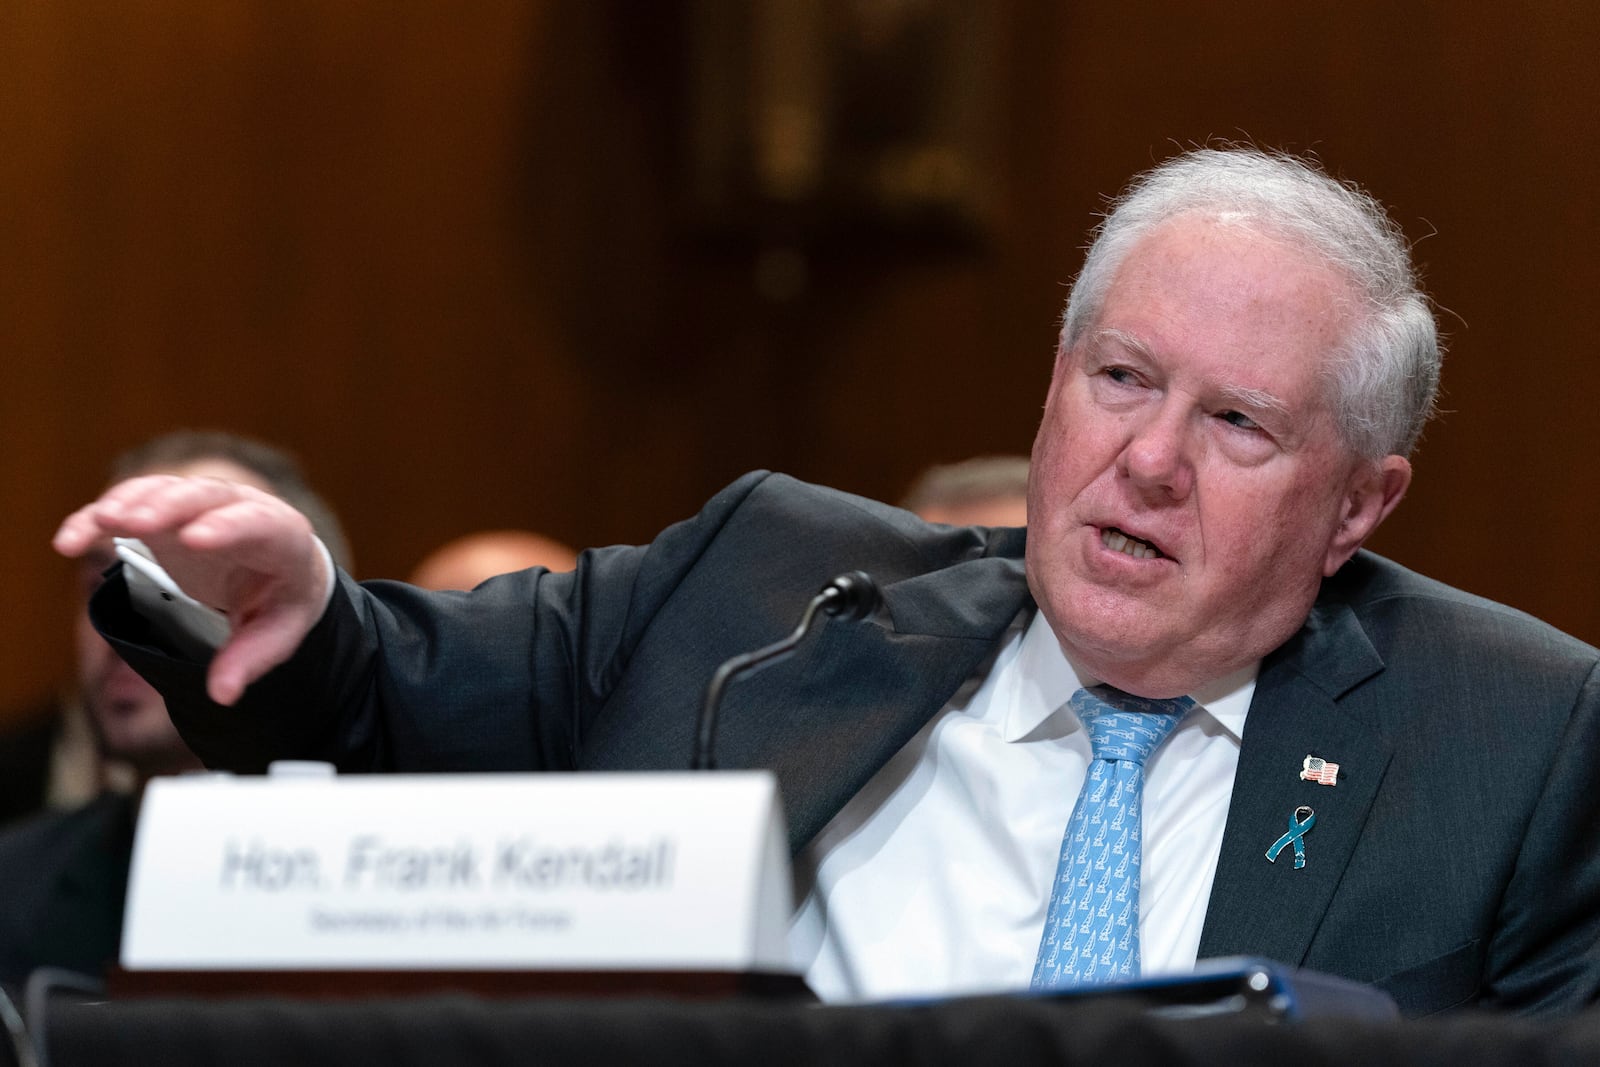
x,y
1259,308
1225,252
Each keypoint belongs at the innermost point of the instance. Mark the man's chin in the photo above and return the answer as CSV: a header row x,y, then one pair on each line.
x,y
1140,660
1116,629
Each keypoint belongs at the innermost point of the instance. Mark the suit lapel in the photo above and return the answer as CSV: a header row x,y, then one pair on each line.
x,y
1271,909
857,693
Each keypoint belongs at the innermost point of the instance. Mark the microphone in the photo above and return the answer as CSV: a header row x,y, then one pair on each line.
x,y
851,596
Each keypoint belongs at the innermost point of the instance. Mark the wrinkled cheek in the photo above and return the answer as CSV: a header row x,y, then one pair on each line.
x,y
1050,440
1043,477
1055,574
1274,596
1049,577
1056,481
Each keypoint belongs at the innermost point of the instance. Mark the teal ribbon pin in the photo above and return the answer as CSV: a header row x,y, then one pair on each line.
x,y
1302,819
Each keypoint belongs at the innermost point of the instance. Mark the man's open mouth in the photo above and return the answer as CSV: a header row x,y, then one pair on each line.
x,y
1117,541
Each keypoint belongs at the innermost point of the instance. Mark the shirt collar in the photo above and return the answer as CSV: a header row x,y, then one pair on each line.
x,y
1045,680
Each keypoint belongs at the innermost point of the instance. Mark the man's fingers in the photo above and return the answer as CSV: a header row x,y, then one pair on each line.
x,y
124,510
77,533
254,531
273,564
231,546
222,542
230,672
252,651
141,507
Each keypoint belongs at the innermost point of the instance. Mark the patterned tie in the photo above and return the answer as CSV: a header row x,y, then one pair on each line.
x,y
1091,930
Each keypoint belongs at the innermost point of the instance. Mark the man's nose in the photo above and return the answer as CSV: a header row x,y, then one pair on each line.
x,y
1157,458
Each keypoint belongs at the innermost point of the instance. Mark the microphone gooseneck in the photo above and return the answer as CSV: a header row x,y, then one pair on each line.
x,y
851,596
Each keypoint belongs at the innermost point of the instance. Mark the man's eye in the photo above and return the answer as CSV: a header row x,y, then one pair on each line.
x,y
1120,375
1240,420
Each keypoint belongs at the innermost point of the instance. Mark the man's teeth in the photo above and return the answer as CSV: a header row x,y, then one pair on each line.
x,y
1117,541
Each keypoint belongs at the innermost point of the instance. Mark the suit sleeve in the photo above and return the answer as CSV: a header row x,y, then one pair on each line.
x,y
394,678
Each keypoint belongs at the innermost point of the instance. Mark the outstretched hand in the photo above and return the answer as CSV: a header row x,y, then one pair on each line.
x,y
232,547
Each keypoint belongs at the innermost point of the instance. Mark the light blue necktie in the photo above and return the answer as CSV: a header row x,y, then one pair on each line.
x,y
1091,930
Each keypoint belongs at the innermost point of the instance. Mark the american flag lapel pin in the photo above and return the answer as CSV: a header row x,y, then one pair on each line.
x,y
1316,769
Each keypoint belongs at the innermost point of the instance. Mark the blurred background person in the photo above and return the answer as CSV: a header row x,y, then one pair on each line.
x,y
64,873
46,758
982,491
472,558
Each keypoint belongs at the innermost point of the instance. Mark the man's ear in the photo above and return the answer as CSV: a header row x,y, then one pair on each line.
x,y
1373,492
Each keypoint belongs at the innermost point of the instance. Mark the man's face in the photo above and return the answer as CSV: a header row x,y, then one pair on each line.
x,y
1189,485
129,719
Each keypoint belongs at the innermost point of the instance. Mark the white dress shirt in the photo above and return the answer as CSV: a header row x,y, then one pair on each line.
x,y
934,879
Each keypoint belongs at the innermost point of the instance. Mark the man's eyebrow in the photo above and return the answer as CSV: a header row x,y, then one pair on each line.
x,y
1254,399
1124,339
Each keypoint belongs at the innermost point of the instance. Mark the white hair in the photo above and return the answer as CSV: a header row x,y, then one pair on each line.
x,y
1385,374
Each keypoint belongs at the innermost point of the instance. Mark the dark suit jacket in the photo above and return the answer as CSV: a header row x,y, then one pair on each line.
x,y
26,744
1454,861
63,878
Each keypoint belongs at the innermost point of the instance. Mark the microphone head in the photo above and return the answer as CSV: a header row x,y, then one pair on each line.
x,y
852,596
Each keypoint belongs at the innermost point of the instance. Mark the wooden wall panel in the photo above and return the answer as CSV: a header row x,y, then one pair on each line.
x,y
439,250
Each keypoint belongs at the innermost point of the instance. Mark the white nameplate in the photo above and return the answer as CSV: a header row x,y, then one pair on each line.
x,y
450,872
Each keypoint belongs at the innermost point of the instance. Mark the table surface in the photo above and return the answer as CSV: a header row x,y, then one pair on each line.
x,y
458,1028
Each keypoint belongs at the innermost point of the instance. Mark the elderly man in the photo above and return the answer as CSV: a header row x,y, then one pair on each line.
x,y
1316,755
